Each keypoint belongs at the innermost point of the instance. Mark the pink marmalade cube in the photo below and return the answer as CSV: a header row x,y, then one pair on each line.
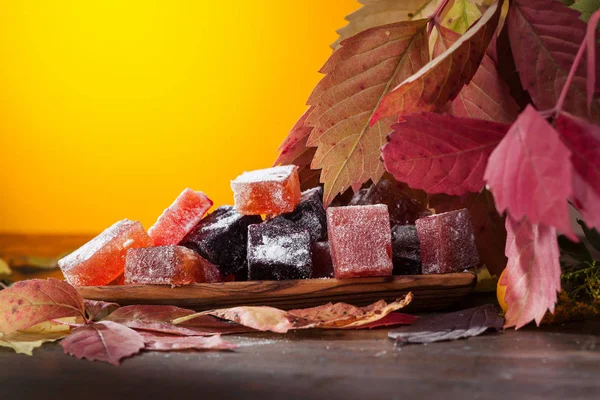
x,y
447,242
270,191
162,265
102,260
180,218
360,239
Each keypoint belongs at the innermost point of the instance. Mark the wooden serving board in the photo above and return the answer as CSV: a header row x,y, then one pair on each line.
x,y
431,292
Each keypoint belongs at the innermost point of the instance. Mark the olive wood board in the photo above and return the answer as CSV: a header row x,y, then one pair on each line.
x,y
431,292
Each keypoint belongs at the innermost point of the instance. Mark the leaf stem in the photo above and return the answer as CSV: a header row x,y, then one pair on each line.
x,y
434,18
567,85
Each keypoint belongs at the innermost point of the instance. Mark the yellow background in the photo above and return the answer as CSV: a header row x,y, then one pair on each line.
x,y
108,109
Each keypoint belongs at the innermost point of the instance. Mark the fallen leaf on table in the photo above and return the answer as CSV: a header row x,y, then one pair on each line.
x,y
530,173
158,342
98,310
450,326
4,268
25,341
27,303
160,319
328,316
391,319
103,341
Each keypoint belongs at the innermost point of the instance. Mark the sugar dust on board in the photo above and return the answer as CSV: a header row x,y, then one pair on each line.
x,y
381,232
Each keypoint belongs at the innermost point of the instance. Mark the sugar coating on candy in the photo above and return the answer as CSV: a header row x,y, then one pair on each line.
x,y
406,251
278,252
447,242
270,191
403,209
321,260
360,240
181,216
221,238
162,265
309,214
102,260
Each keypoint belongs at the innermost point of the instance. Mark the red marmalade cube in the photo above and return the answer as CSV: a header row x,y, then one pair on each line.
x,y
361,240
447,242
270,191
180,218
102,260
162,265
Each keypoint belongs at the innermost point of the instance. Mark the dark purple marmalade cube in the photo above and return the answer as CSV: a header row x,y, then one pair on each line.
x,y
278,252
309,214
403,209
221,238
406,252
447,242
321,260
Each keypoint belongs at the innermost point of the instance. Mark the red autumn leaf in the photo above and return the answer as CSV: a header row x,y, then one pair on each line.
x,y
159,319
532,276
441,153
392,319
98,310
382,12
444,76
294,145
505,62
488,225
357,76
487,96
103,341
583,140
530,173
548,35
30,302
158,342
591,57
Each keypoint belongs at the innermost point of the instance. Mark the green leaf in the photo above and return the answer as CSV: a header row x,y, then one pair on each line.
x,y
461,15
586,7
591,235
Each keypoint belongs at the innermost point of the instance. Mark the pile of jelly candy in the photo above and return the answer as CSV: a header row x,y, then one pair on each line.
x,y
382,232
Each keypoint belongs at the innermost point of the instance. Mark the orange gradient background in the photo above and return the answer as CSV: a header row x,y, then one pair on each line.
x,y
109,109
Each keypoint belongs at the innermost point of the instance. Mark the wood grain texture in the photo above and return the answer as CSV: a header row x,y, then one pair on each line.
x,y
431,292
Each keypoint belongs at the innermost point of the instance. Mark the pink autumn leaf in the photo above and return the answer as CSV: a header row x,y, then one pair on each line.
x,y
98,310
530,173
532,275
103,341
442,153
583,140
590,38
158,342
30,302
392,319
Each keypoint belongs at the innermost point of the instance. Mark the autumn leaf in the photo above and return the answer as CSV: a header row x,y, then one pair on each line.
x,y
157,342
591,57
583,140
505,62
30,302
530,173
357,76
441,153
449,326
548,35
532,275
486,96
488,225
98,310
159,319
442,78
25,341
328,316
460,15
382,12
4,268
392,319
103,341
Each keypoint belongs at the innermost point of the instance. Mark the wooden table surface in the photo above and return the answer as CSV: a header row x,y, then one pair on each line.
x,y
549,363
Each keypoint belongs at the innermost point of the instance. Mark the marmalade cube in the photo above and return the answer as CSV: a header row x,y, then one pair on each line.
x,y
406,251
181,216
360,241
447,242
278,252
309,214
321,260
102,260
270,191
221,238
403,209
162,265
